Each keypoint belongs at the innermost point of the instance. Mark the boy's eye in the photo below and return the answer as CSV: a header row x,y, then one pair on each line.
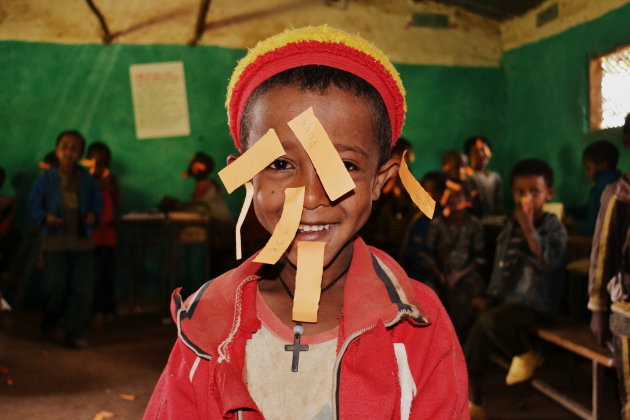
x,y
280,165
350,166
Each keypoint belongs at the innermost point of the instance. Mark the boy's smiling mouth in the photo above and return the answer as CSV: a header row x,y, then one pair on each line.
x,y
313,228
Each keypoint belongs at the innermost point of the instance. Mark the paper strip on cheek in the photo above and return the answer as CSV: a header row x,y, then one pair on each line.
x,y
247,202
267,149
308,280
329,166
287,227
418,195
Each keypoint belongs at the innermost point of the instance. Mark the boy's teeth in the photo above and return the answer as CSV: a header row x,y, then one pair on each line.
x,y
313,228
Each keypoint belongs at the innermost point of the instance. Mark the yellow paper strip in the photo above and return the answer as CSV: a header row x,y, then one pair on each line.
x,y
247,202
308,280
287,227
252,161
418,195
329,166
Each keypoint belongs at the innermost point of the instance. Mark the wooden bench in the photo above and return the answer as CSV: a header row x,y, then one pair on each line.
x,y
575,337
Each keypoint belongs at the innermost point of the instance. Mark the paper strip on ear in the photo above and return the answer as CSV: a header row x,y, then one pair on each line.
x,y
287,227
247,202
418,195
325,158
308,280
267,149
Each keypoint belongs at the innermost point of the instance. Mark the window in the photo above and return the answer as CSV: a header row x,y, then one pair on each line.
x,y
610,89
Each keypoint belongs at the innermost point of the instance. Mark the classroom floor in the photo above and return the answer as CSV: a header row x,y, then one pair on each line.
x,y
48,382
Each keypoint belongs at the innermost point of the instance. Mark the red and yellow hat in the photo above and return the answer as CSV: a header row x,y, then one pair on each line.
x,y
321,45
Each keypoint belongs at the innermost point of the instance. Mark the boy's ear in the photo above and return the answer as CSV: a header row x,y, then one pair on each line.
x,y
550,192
386,171
231,158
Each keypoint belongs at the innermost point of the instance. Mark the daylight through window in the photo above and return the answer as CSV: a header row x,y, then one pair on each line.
x,y
610,89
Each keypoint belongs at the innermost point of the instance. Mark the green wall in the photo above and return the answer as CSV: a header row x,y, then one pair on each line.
x,y
535,105
47,88
547,105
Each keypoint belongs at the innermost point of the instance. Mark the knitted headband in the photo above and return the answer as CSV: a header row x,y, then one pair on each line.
x,y
321,45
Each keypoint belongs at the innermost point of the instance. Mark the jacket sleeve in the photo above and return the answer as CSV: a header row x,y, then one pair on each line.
x,y
37,202
605,252
442,385
173,397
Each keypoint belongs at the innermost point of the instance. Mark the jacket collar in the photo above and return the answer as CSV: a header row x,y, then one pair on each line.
x,y
376,290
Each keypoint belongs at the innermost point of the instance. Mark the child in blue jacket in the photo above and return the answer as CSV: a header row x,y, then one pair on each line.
x,y
66,204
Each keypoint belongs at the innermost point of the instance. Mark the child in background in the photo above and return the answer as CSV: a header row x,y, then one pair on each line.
x,y
434,183
600,163
207,199
66,203
9,238
454,253
526,281
104,236
484,184
392,213
236,334
454,165
609,277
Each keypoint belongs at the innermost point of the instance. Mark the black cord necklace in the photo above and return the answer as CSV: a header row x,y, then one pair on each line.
x,y
298,330
328,286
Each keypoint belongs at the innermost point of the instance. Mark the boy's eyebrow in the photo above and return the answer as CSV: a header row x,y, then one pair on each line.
x,y
345,148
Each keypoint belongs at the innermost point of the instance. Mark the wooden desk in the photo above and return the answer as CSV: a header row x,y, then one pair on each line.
x,y
166,232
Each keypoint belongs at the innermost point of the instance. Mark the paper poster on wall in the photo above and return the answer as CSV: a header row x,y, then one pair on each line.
x,y
160,106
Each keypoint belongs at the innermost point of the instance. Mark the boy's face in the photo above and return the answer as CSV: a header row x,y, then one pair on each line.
x,y
479,155
69,150
591,168
348,121
531,191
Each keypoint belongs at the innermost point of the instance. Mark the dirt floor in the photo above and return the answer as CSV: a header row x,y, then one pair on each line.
x,y
46,381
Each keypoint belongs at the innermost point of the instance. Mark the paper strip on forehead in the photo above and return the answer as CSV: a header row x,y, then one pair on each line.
x,y
249,194
287,227
267,149
329,166
418,195
308,280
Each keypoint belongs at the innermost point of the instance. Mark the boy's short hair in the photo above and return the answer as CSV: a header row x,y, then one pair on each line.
x,y
602,151
103,150
3,175
204,158
453,156
536,167
319,78
73,133
471,141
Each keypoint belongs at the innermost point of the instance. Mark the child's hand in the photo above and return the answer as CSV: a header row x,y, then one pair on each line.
x,y
90,218
52,220
524,215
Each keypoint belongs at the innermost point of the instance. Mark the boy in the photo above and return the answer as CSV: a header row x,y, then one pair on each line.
x,y
104,236
66,203
600,164
526,280
609,277
484,184
373,351
454,253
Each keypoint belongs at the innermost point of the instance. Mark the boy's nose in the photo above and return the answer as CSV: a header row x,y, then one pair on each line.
x,y
314,193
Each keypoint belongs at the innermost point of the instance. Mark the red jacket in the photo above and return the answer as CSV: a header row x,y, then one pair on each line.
x,y
203,378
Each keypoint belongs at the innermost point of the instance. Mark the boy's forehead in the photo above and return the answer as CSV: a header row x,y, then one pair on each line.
x,y
531,180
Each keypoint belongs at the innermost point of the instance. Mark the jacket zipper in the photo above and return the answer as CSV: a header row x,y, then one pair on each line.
x,y
344,347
